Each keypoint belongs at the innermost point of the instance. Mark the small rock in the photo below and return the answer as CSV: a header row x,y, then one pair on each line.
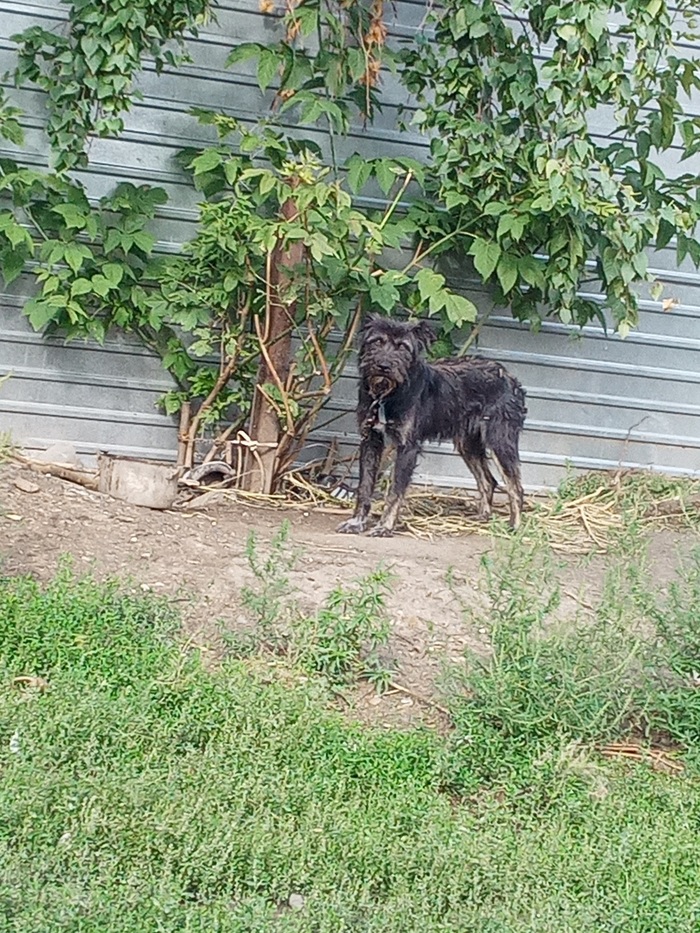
x,y
296,901
31,682
62,452
25,485
16,518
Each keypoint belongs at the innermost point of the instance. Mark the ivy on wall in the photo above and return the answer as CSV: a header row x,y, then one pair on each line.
x,y
514,95
88,72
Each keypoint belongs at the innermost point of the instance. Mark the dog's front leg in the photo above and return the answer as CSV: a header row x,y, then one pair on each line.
x,y
371,449
406,457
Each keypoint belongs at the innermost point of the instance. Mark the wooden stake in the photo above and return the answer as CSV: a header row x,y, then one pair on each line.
x,y
182,433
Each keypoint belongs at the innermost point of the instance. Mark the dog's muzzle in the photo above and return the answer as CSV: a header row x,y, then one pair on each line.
x,y
380,386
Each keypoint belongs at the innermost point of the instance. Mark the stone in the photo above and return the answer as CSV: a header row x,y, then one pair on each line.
x,y
25,485
61,452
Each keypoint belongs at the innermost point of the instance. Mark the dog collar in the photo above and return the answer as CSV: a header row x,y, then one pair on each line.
x,y
377,414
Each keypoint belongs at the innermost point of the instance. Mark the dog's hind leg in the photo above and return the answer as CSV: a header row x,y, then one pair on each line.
x,y
504,447
406,457
473,453
371,449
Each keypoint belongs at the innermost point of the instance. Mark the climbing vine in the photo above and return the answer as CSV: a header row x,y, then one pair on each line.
x,y
88,72
327,64
551,126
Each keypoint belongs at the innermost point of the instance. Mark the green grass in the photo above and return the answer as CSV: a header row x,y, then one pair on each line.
x,y
141,792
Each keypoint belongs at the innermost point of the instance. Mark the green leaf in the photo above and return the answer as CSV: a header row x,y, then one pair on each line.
x,y
504,224
359,170
113,272
459,310
112,240
268,66
531,270
640,262
80,287
100,285
39,312
385,173
567,32
319,246
17,235
437,301
73,217
144,241
242,53
429,283
494,208
74,255
486,255
666,233
478,29
507,272
208,160
12,264
267,182
597,21
385,295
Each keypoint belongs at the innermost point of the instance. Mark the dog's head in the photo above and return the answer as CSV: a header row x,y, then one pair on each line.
x,y
389,350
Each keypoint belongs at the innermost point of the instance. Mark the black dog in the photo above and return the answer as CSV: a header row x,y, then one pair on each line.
x,y
403,399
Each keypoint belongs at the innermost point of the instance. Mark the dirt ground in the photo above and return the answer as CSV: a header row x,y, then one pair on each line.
x,y
198,558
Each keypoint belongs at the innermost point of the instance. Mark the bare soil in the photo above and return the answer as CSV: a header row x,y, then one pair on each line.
x,y
198,558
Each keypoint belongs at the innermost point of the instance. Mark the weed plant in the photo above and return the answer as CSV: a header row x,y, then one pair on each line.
x,y
342,641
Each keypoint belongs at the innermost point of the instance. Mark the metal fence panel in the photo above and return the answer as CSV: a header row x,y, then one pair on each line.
x,y
594,400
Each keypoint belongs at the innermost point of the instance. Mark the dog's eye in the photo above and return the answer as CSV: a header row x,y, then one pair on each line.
x,y
406,345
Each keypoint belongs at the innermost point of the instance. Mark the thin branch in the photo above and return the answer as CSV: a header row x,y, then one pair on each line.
x,y
392,207
276,378
443,239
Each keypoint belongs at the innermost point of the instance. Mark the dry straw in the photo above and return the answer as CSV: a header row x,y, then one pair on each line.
x,y
586,514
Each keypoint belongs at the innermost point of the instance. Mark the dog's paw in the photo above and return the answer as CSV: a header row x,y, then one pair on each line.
x,y
381,531
353,526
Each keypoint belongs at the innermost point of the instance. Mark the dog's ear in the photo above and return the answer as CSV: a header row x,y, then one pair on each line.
x,y
369,322
424,334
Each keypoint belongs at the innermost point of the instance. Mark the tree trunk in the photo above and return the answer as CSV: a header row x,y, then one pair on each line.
x,y
264,426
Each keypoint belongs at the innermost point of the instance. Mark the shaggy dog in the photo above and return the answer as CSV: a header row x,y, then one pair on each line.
x,y
405,400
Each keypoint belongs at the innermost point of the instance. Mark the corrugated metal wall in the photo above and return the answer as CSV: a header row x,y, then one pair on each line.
x,y
594,400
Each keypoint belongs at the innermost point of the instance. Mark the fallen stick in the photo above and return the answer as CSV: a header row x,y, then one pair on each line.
x,y
672,507
84,478
418,696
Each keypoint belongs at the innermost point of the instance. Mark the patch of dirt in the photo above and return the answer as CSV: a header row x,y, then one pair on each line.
x,y
198,558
